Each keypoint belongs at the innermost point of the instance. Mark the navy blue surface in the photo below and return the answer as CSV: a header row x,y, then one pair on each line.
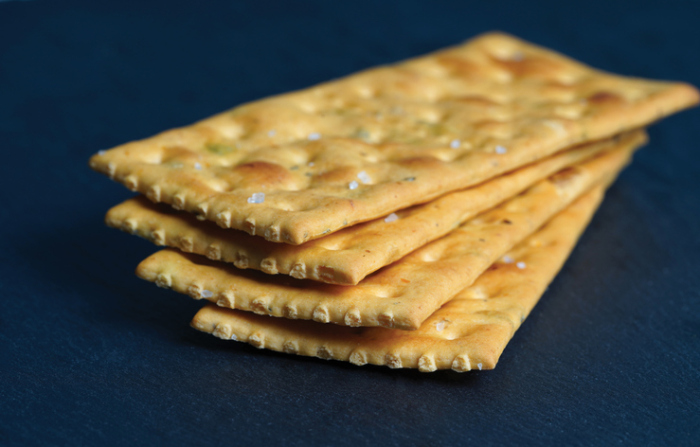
x,y
90,355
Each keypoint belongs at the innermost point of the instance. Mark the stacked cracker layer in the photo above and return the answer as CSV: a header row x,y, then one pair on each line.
x,y
409,215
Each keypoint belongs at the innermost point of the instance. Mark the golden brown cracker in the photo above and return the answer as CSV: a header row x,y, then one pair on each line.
x,y
468,332
349,255
401,295
358,148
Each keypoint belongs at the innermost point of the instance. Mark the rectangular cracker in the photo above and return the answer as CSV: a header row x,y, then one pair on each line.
x,y
349,255
403,294
358,148
469,332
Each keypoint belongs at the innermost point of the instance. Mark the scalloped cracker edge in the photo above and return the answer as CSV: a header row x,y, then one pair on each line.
x,y
349,255
296,167
469,332
403,294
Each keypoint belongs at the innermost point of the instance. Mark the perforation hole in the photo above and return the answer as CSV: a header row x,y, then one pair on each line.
x,y
571,111
382,292
152,157
503,76
366,92
231,130
446,155
429,256
475,293
502,114
217,185
331,245
308,107
568,78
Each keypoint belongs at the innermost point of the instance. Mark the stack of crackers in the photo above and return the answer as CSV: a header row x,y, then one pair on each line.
x,y
409,215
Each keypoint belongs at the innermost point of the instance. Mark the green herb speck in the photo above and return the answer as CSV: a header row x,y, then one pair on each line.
x,y
219,149
362,134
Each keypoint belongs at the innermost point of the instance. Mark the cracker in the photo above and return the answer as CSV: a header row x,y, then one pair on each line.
x,y
349,255
469,332
358,148
401,295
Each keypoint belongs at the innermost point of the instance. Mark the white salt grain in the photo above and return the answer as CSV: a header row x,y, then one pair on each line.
x,y
501,150
364,178
257,197
455,144
314,136
353,185
198,166
520,265
391,218
508,260
207,293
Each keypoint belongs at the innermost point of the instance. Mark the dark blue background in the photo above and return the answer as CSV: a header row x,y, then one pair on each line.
x,y
90,355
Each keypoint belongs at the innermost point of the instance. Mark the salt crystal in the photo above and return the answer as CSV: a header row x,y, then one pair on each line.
x,y
272,133
207,293
364,178
233,337
439,326
501,150
455,144
353,185
391,218
197,166
508,260
479,365
520,265
257,197
102,152
314,136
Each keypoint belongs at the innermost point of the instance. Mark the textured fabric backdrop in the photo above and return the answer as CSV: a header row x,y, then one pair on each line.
x,y
90,355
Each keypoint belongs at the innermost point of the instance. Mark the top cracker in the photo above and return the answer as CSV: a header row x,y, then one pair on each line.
x,y
301,165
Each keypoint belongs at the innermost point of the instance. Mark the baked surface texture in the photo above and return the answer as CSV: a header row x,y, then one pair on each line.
x,y
468,332
358,148
349,255
403,294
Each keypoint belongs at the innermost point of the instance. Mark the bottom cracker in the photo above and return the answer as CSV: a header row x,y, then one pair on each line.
x,y
469,332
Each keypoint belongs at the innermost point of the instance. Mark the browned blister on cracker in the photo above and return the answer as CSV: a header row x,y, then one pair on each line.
x,y
298,166
349,255
403,294
468,332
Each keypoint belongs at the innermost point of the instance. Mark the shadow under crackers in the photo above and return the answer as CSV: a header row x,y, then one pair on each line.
x,y
88,270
